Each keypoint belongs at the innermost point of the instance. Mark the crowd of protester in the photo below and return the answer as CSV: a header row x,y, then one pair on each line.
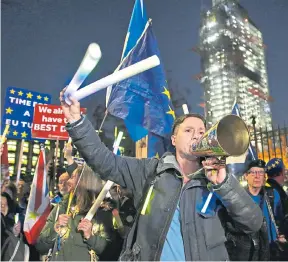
x,y
148,214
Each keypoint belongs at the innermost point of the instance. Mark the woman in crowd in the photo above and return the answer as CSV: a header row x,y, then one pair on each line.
x,y
7,217
67,235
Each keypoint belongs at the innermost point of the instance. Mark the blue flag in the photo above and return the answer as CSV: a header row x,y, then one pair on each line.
x,y
143,101
238,165
136,27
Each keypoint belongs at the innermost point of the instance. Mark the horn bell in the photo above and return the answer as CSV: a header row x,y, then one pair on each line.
x,y
228,137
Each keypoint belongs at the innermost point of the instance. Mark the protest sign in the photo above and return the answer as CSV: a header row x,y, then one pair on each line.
x,y
49,122
19,110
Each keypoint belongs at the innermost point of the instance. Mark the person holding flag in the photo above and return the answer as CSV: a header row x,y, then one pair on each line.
x,y
67,235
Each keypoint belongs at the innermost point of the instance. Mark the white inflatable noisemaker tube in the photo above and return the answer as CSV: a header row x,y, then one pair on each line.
x,y
107,186
116,77
89,62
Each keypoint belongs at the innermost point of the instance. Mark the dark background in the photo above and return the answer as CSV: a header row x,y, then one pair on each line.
x,y
44,41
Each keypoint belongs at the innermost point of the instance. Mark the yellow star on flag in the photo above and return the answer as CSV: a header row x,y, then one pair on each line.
x,y
12,91
171,112
24,134
15,133
46,98
167,93
39,97
33,215
9,110
29,95
157,155
20,93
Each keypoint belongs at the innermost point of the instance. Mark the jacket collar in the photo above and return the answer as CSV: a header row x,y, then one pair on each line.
x,y
168,161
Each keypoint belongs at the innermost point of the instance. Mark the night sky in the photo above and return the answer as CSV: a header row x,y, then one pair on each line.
x,y
44,41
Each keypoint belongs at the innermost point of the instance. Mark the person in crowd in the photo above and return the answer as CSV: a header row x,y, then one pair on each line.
x,y
62,187
10,188
67,233
174,225
125,206
62,183
71,164
7,217
2,145
269,201
275,170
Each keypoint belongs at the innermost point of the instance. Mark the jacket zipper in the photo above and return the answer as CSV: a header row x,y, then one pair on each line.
x,y
167,225
189,240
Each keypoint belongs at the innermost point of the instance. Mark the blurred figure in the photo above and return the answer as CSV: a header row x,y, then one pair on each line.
x,y
68,154
7,217
62,183
62,188
72,181
275,170
2,145
10,188
125,206
1,149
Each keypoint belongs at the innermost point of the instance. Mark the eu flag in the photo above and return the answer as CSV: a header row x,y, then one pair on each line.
x,y
143,101
238,165
136,27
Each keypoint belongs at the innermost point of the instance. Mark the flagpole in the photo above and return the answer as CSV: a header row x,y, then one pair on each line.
x,y
280,142
262,143
268,146
3,137
255,135
20,161
100,128
55,163
274,142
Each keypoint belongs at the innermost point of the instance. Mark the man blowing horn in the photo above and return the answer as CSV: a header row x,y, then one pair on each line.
x,y
174,226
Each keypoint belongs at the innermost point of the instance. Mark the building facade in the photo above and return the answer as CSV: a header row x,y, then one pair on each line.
x,y
233,64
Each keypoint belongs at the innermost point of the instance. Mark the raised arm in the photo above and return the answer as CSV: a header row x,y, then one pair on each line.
x,y
126,171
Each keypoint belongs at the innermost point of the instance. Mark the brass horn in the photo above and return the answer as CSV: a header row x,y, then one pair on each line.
x,y
228,137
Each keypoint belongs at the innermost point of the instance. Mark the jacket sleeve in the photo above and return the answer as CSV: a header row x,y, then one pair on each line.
x,y
245,213
97,243
278,210
128,172
48,235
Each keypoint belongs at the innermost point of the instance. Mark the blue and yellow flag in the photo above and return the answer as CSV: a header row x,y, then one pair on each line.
x,y
143,101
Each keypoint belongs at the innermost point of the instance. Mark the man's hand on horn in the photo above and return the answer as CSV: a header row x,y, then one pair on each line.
x,y
215,170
